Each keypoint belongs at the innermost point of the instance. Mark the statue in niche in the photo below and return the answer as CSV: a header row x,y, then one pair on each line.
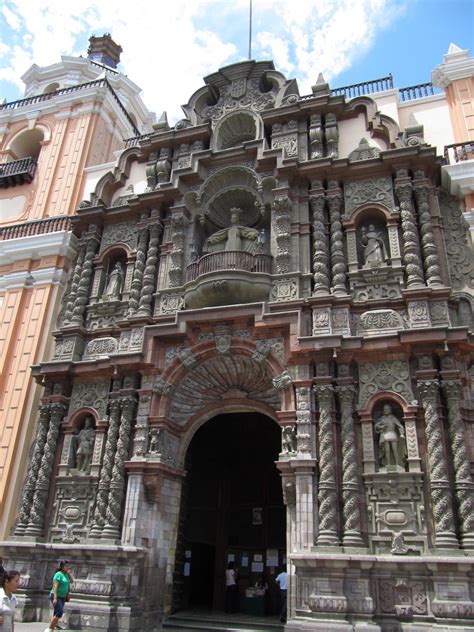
x,y
288,440
156,441
375,252
85,446
392,446
113,288
236,237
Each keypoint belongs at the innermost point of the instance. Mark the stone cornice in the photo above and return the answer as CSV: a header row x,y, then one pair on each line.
x,y
62,243
458,65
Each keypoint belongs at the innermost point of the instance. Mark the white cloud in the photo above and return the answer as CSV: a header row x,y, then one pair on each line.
x,y
167,50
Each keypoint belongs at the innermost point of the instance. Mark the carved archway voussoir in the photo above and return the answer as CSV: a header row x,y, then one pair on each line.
x,y
387,396
361,212
112,249
78,415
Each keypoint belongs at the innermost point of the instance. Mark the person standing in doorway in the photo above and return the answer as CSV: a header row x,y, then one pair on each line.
x,y
59,594
10,583
231,589
282,581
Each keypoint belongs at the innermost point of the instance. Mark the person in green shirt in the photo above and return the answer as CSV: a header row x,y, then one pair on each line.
x,y
59,594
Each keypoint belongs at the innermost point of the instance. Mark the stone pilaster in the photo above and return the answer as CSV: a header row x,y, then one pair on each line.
x,y
304,439
43,483
428,247
148,286
445,533
463,484
281,220
117,482
29,489
410,237
338,259
320,246
106,470
352,530
327,493
140,441
175,274
82,294
76,277
137,279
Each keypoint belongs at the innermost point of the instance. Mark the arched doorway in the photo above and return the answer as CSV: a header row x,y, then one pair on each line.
x,y
232,509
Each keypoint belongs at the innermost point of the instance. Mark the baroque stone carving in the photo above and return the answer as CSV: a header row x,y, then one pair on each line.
x,y
458,243
284,290
281,218
375,252
175,273
283,381
85,446
113,287
92,394
100,347
411,242
338,259
380,321
428,246
315,137
392,447
148,280
363,191
391,375
364,152
320,246
122,232
288,440
138,270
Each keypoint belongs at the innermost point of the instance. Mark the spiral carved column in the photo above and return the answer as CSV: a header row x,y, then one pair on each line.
x,y
327,494
352,531
175,274
338,259
82,294
445,533
76,277
29,489
106,470
428,247
43,483
137,279
148,286
320,247
117,481
463,484
411,244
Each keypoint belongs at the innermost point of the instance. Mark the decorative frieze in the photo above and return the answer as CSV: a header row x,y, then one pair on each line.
x,y
285,136
100,347
121,232
380,322
69,348
91,394
364,191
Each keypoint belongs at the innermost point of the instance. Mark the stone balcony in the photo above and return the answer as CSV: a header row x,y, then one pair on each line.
x,y
17,172
457,175
228,278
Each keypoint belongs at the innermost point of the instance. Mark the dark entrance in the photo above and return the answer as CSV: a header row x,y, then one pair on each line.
x,y
232,509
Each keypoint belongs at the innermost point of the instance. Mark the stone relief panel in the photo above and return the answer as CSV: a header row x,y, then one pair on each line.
x,y
123,232
100,347
458,243
392,375
72,510
284,290
92,394
218,378
403,597
68,348
380,322
365,191
131,340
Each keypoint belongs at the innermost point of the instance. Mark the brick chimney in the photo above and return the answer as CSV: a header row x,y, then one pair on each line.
x,y
104,50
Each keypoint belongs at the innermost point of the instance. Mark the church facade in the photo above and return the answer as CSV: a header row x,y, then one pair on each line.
x,y
262,356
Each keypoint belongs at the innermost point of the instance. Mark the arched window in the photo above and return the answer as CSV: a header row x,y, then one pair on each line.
x,y
27,144
52,87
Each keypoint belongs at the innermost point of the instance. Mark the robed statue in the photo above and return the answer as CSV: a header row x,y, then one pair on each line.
x,y
113,288
235,237
392,444
375,252
85,446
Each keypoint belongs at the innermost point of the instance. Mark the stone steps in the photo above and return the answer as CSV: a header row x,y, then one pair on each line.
x,y
220,622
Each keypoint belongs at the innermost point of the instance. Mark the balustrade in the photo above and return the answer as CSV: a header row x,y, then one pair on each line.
x,y
17,172
229,260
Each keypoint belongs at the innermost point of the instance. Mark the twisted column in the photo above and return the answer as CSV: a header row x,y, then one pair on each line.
x,y
327,496
43,483
76,277
175,273
352,534
410,237
338,259
117,481
82,295
137,279
106,470
320,246
148,286
282,222
445,532
35,464
463,484
428,247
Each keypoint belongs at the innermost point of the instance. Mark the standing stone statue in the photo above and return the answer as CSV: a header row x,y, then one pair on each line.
x,y
392,447
288,440
156,440
113,289
236,237
85,446
375,252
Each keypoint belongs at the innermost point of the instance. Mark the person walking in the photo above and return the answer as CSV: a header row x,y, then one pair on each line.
x,y
282,581
10,582
59,594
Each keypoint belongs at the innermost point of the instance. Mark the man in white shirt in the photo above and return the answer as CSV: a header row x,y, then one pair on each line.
x,y
282,581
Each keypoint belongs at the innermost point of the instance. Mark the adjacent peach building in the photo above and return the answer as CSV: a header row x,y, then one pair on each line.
x,y
74,117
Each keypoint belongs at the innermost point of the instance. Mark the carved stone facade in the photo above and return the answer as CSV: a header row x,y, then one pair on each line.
x,y
255,275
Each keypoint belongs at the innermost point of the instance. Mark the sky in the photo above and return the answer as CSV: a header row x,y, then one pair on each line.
x,y
168,47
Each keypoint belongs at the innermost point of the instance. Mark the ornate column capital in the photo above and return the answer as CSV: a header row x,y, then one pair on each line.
x,y
324,394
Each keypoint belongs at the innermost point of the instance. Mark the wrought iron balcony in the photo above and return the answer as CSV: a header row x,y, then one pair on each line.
x,y
17,172
459,152
229,260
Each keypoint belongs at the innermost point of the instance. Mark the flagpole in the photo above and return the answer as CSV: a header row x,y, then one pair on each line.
x,y
250,30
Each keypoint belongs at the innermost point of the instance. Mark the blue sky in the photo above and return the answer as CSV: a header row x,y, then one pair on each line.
x,y
170,46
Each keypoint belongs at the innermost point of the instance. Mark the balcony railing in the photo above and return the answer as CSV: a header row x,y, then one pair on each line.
x,y
458,152
365,87
17,172
229,260
417,92
36,227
